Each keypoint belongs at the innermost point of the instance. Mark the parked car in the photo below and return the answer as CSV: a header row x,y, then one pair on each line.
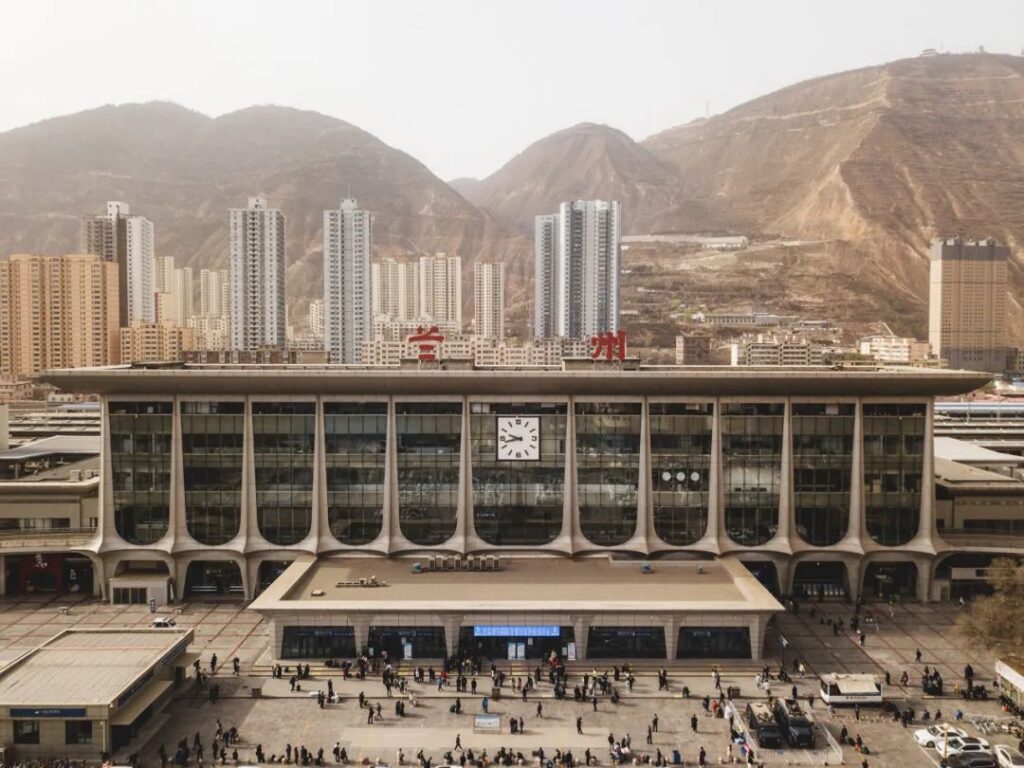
x,y
163,622
927,737
972,760
962,745
1009,757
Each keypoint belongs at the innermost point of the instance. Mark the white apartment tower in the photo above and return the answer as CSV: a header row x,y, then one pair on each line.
x,y
489,300
577,255
214,286
127,240
441,288
396,289
257,269
347,308
315,318
967,303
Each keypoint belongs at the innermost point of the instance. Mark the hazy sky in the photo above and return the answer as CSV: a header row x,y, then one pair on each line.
x,y
464,84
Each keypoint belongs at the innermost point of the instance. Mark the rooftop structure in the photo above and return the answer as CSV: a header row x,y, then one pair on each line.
x,y
95,683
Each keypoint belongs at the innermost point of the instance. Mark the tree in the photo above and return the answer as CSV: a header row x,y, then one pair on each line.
x,y
996,622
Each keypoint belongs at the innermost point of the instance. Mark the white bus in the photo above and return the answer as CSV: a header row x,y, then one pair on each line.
x,y
850,689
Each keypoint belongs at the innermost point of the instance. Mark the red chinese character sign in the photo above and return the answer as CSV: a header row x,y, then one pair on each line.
x,y
609,345
427,340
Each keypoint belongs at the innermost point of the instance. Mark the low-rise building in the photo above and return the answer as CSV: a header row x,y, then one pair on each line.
x,y
142,343
694,349
894,349
770,350
88,691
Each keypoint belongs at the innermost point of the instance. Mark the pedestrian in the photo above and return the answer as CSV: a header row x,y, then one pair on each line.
x,y
917,656
236,664
540,709
693,723
702,758
650,735
803,670
654,722
458,742
862,636
856,711
579,725
594,702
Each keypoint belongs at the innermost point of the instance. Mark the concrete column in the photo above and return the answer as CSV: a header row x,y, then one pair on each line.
x,y
712,535
452,625
924,579
854,576
389,527
565,538
250,520
464,509
643,487
926,527
671,636
758,624
361,630
178,524
785,521
581,633
320,524
96,578
855,527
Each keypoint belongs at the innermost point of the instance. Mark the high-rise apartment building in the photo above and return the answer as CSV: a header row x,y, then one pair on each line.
x,y
489,299
347,303
150,343
214,288
126,240
315,318
576,258
441,288
257,267
396,289
184,297
967,303
163,279
57,312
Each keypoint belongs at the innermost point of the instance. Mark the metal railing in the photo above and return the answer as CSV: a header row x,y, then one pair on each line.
x,y
33,532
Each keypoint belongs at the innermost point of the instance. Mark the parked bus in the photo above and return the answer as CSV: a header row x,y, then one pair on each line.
x,y
850,689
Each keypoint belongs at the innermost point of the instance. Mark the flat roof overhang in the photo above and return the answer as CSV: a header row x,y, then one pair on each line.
x,y
654,381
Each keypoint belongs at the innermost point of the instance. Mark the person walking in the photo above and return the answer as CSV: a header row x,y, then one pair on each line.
x,y
236,665
579,725
540,709
693,723
593,701
458,742
650,735
213,663
917,656
654,722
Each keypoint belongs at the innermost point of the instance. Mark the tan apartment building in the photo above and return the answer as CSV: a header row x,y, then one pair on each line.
x,y
967,303
57,312
147,343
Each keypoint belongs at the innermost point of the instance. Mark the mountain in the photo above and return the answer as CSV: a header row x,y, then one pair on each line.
x,y
586,160
184,170
840,181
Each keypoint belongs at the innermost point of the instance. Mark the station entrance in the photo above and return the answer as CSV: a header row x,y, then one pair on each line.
x,y
517,642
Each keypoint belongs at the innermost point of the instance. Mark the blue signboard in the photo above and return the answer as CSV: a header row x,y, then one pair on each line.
x,y
524,630
34,712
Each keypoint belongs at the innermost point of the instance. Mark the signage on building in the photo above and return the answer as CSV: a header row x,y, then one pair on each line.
x,y
609,345
34,712
427,340
522,630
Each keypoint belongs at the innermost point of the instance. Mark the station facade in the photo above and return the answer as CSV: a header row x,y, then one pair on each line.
x,y
215,478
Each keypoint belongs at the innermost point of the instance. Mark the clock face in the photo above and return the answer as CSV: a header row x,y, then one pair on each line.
x,y
518,438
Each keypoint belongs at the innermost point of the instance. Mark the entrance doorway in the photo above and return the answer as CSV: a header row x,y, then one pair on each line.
x,y
626,643
48,573
213,578
407,642
885,580
517,642
268,572
765,572
815,580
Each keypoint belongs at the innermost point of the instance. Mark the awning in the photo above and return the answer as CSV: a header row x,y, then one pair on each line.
x,y
150,693
857,686
186,660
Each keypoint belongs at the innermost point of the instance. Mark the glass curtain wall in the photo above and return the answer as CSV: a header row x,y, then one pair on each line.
x,y
681,469
608,470
140,458
429,438
822,463
212,435
752,470
355,437
284,437
893,465
518,502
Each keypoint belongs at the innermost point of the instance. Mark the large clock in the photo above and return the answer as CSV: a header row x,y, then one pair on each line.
x,y
518,438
